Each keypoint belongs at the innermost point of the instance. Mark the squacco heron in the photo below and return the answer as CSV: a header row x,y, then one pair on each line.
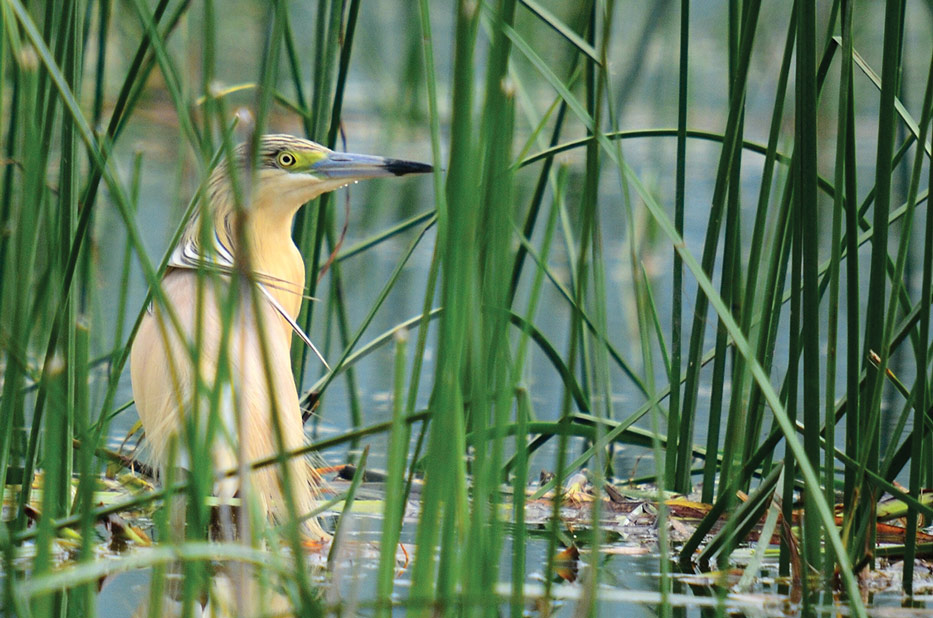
x,y
259,401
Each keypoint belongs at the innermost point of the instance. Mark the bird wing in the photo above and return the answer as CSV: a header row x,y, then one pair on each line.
x,y
188,256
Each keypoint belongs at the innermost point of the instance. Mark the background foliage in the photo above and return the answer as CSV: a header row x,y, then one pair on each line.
x,y
676,229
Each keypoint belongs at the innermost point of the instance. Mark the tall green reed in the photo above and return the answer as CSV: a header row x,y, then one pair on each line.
x,y
487,228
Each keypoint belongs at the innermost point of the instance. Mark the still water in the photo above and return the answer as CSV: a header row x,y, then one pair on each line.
x,y
630,580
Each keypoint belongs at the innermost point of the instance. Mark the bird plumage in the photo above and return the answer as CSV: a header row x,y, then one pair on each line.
x,y
248,364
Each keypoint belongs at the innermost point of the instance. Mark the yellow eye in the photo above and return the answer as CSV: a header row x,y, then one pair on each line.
x,y
285,159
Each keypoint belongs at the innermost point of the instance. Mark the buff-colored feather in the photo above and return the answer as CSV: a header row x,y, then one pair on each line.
x,y
290,172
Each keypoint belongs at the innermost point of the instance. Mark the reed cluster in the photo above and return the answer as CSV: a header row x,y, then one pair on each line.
x,y
782,349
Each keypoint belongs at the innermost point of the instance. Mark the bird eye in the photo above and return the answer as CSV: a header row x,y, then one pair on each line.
x,y
286,159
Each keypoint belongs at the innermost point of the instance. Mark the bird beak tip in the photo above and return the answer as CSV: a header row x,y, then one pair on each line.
x,y
398,167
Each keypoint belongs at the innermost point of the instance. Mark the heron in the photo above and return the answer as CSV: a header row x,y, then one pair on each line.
x,y
258,415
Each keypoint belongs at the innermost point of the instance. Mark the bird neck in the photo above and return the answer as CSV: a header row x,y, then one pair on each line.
x,y
272,253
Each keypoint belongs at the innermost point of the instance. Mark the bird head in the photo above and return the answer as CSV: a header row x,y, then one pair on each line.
x,y
289,171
